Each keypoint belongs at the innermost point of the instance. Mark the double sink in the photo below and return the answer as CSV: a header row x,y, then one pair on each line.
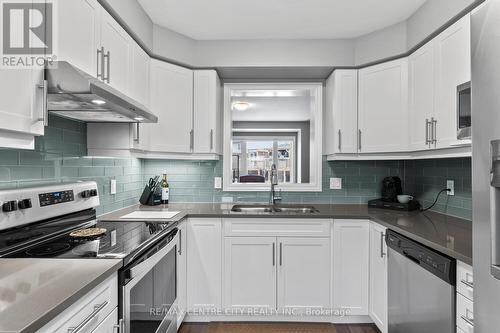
x,y
297,209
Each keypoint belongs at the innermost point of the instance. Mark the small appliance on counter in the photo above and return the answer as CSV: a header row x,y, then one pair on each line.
x,y
151,196
391,192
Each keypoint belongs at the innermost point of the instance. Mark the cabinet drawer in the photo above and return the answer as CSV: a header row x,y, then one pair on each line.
x,y
277,227
465,314
87,313
465,280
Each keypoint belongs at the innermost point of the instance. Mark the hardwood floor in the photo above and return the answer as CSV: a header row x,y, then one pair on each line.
x,y
257,327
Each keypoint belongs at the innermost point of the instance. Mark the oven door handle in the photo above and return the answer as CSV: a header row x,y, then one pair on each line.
x,y
149,263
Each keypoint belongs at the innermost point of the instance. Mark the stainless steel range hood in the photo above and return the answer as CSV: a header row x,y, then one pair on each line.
x,y
74,94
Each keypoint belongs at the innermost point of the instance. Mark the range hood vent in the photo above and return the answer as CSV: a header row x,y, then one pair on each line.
x,y
74,94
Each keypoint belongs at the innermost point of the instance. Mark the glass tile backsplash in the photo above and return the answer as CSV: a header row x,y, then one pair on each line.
x,y
60,156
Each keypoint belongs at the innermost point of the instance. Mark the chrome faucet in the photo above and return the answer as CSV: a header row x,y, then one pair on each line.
x,y
274,181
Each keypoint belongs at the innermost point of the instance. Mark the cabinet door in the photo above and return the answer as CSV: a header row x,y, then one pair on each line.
x,y
204,269
108,325
421,101
139,76
304,273
342,112
351,240
250,272
79,33
182,273
453,54
172,102
383,107
207,110
378,276
118,43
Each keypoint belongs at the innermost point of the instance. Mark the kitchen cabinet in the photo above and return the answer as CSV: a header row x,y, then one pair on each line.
x,y
341,128
378,301
250,272
181,273
204,258
207,112
304,266
383,107
108,325
351,239
453,67
172,102
139,75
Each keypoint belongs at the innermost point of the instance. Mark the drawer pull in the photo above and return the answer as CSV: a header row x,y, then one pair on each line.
x,y
468,321
97,308
468,284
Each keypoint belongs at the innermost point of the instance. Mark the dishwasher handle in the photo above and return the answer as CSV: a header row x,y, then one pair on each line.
x,y
412,258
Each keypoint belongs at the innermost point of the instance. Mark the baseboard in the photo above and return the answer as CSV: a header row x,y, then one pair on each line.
x,y
190,318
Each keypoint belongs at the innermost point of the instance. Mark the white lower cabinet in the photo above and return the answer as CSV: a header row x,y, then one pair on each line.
x,y
181,274
204,269
108,325
351,239
378,277
249,272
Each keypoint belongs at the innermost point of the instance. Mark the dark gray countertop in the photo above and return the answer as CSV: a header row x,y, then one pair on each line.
x,y
446,234
35,291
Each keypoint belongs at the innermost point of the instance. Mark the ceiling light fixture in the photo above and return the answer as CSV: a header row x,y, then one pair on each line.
x,y
241,106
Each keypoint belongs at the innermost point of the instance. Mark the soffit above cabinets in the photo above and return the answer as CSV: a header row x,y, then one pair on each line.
x,y
278,19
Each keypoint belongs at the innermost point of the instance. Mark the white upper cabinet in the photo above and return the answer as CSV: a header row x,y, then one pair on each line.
x,y
139,75
453,67
341,128
207,110
383,107
304,266
249,272
117,46
79,34
378,277
172,102
422,93
351,250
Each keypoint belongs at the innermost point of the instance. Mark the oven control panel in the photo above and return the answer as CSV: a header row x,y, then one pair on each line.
x,y
53,198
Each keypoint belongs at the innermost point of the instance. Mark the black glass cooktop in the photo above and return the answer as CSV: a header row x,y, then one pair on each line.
x,y
122,240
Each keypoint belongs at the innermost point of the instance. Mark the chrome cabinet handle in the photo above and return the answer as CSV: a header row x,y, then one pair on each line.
x,y
211,139
427,131
97,308
468,284
434,131
340,140
99,60
359,139
180,242
45,108
281,254
191,139
137,132
106,58
118,328
468,320
274,254
382,237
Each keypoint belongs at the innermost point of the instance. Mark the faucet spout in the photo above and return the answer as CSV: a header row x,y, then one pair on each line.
x,y
273,177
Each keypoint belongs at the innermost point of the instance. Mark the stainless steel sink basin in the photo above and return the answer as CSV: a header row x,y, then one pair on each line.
x,y
299,209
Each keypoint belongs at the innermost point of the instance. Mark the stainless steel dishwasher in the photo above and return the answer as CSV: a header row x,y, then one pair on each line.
x,y
421,285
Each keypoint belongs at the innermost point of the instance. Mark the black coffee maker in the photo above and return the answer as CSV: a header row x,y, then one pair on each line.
x,y
391,188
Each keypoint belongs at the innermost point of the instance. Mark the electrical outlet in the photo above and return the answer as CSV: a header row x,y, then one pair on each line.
x,y
335,183
450,184
218,182
113,186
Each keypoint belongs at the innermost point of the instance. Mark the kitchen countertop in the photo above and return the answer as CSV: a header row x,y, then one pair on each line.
x,y
35,291
446,234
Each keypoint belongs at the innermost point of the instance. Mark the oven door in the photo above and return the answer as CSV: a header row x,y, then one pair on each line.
x,y
149,293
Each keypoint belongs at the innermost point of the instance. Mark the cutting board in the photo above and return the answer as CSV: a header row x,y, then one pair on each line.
x,y
149,215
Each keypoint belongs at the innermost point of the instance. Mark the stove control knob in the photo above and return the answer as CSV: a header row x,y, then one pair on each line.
x,y
24,204
93,193
9,206
85,194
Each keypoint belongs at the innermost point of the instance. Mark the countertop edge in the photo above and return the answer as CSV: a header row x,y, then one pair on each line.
x,y
58,309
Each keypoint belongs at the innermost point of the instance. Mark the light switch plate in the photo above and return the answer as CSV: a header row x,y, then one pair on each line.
x,y
335,183
113,186
218,182
450,184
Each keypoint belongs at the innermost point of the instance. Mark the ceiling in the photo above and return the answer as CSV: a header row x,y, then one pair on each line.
x,y
277,19
294,108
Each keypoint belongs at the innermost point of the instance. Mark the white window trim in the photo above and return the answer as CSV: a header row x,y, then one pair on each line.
x,y
315,184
